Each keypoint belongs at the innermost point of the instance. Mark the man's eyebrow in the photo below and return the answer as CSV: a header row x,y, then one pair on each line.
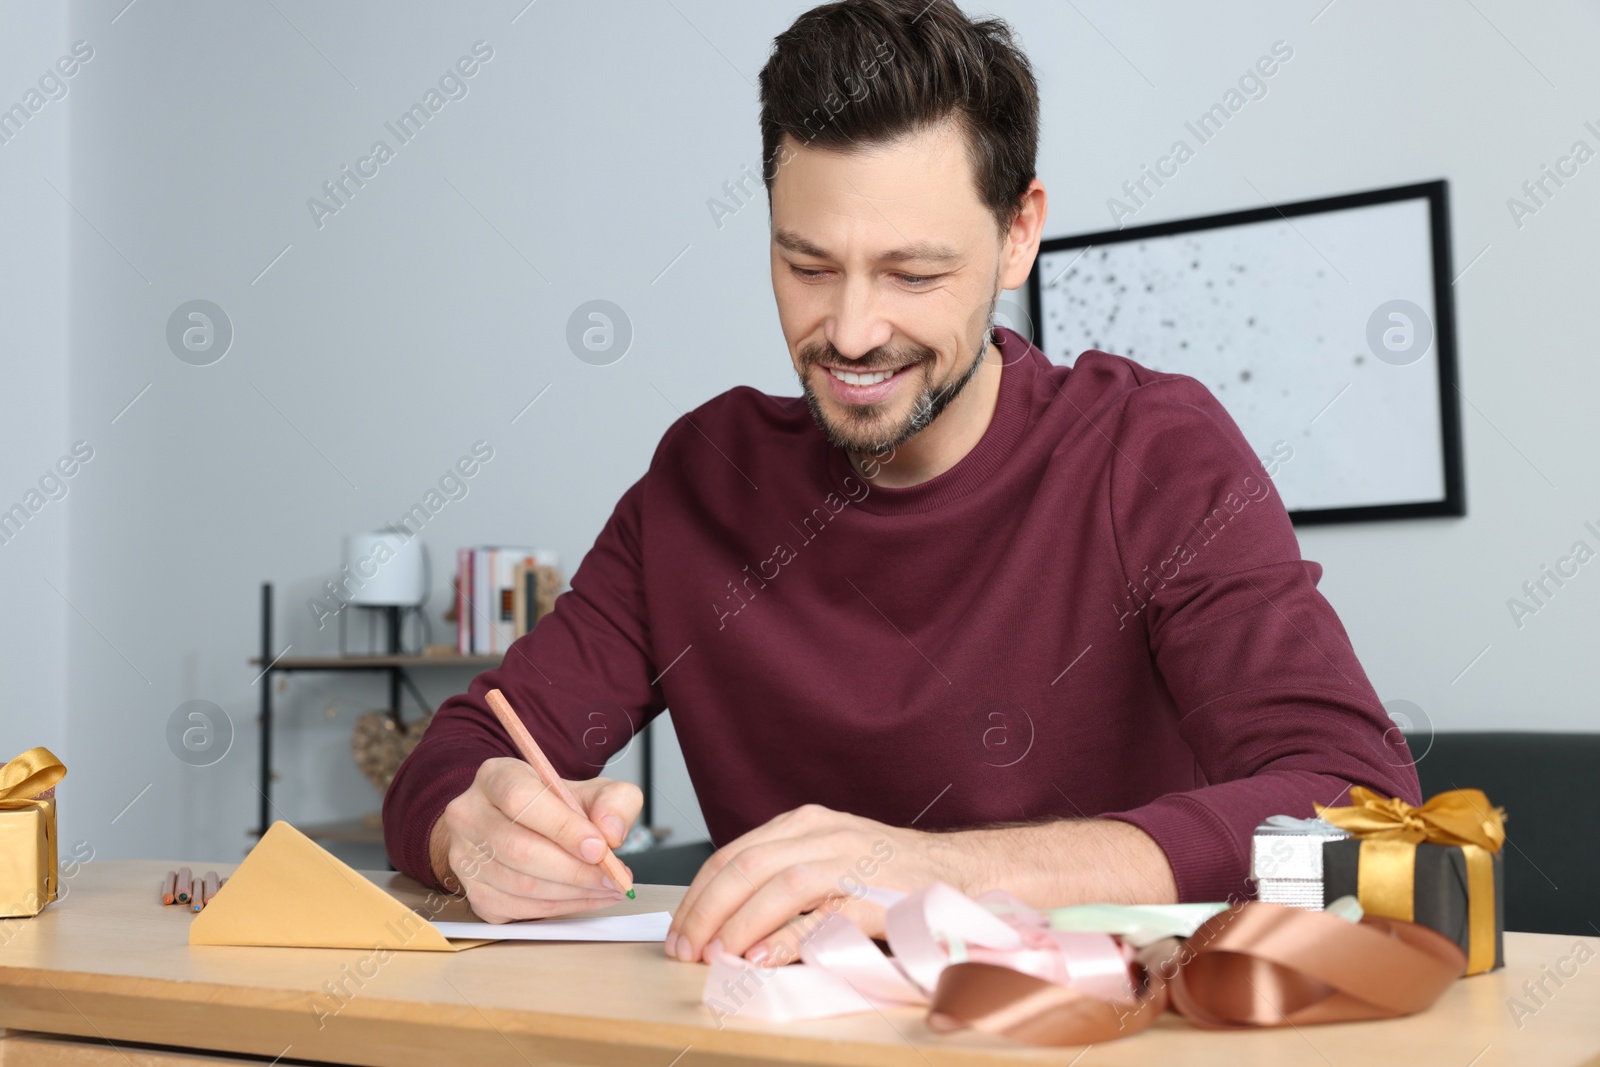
x,y
921,251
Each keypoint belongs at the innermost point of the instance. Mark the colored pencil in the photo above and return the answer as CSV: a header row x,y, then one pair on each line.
x,y
185,885
212,883
547,774
169,888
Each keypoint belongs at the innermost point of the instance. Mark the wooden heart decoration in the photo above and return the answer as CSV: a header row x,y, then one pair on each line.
x,y
379,746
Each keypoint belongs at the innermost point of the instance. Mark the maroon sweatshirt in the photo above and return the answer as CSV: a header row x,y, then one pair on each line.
x,y
1100,611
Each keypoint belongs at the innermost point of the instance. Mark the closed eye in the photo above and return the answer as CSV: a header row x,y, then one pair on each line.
x,y
914,281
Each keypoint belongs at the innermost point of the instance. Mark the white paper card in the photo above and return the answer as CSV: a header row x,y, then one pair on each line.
x,y
650,926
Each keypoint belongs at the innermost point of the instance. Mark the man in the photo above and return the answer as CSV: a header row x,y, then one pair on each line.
x,y
958,614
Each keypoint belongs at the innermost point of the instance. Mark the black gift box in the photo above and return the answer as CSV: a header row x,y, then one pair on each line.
x,y
1439,891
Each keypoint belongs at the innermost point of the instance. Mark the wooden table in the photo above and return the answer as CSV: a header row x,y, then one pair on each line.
x,y
106,977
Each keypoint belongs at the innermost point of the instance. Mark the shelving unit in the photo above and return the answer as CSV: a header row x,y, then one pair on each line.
x,y
396,668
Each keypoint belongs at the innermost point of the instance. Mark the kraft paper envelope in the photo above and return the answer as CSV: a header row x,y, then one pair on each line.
x,y
291,892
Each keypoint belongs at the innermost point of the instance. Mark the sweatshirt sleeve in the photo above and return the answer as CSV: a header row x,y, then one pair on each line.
x,y
581,680
1270,696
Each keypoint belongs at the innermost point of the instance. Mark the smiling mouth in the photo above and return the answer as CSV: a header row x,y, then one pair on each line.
x,y
864,378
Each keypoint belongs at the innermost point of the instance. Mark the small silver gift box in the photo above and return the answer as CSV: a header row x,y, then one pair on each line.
x,y
1286,860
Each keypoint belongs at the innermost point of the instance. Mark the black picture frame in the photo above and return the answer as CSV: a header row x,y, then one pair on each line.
x,y
1436,193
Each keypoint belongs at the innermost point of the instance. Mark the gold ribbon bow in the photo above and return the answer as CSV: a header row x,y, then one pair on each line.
x,y
24,778
1390,830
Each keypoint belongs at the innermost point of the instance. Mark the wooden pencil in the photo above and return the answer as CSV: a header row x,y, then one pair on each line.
x,y
169,887
212,884
185,885
547,774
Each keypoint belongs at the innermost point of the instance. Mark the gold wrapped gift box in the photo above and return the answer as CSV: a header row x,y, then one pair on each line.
x,y
28,870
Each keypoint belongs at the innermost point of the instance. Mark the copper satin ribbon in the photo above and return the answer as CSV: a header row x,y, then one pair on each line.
x,y
26,781
998,1000
1272,965
1263,965
1390,830
1257,965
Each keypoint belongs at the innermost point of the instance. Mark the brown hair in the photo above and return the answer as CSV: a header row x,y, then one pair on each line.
x,y
865,72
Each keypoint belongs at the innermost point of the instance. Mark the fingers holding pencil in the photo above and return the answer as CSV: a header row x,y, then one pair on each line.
x,y
563,852
530,751
516,850
521,843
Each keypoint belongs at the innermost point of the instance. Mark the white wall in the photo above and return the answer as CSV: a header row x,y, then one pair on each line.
x,y
1381,95
425,314
1377,95
34,428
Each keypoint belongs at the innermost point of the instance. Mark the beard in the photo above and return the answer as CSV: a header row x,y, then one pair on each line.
x,y
864,428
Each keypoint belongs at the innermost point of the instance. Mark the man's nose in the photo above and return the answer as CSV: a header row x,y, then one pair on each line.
x,y
857,325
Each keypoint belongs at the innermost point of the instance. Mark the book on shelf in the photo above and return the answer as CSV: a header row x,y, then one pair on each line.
x,y
535,582
463,602
501,593
482,599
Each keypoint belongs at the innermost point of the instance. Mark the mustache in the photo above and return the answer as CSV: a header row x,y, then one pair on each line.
x,y
879,359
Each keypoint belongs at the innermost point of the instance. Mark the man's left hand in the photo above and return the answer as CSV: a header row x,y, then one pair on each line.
x,y
751,897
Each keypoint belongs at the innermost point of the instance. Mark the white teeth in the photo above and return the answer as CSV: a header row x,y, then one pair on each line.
x,y
851,378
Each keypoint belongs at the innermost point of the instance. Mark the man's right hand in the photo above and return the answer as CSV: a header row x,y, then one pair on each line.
x,y
519,852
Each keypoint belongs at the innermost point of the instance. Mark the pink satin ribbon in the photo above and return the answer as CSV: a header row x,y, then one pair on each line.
x,y
843,971
1010,974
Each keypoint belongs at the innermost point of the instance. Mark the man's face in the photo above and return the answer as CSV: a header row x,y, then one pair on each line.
x,y
886,269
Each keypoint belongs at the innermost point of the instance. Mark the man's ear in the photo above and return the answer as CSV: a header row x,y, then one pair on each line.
x,y
1022,239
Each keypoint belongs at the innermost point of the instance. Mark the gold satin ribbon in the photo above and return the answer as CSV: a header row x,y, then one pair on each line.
x,y
24,778
1390,831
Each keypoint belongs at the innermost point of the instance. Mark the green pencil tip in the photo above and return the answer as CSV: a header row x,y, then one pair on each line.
x,y
631,896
